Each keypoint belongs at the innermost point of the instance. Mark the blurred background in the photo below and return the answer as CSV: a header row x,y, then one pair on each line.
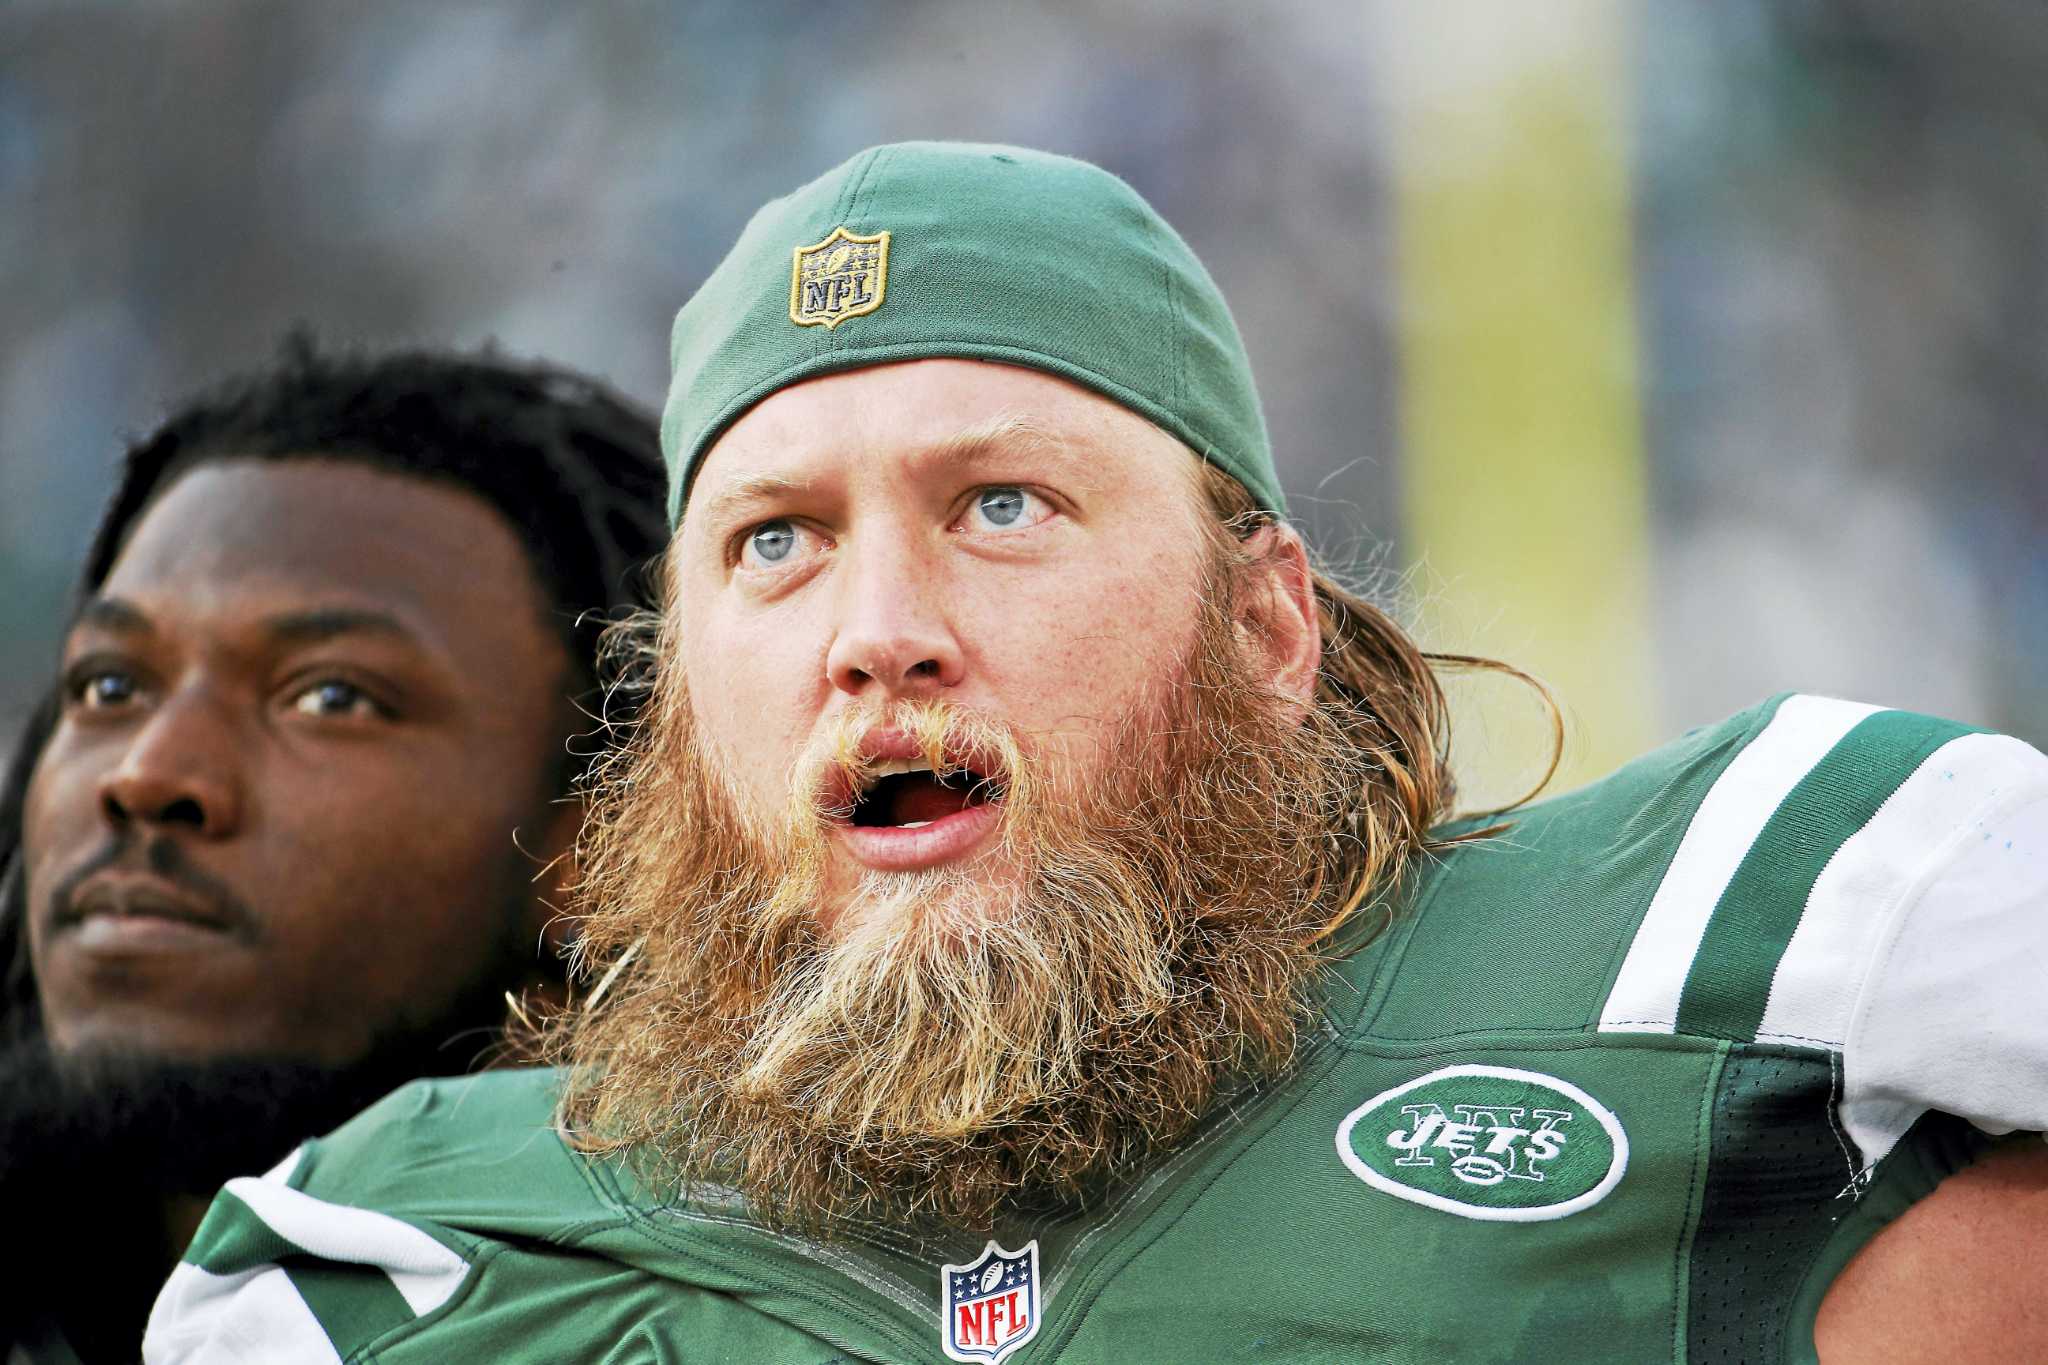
x,y
1681,353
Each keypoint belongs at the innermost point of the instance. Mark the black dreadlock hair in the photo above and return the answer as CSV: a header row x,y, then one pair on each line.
x,y
574,469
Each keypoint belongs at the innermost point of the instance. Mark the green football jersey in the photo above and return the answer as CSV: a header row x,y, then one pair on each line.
x,y
1629,1082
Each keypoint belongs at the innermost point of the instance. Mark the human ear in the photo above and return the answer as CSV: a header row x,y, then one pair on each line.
x,y
1277,611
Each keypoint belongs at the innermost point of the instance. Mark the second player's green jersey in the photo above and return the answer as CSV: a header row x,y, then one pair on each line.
x,y
1629,1082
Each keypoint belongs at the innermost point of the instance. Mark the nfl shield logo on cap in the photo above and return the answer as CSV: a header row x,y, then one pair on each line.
x,y
991,1305
841,277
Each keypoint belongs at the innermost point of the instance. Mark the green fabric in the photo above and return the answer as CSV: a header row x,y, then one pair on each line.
x,y
1730,983
1771,1188
1682,1314
544,1305
1531,935
1395,1142
231,1239
994,253
1258,1240
354,1304
446,1154
1273,1254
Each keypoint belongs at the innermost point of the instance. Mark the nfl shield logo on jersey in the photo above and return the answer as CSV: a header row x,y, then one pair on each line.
x,y
991,1305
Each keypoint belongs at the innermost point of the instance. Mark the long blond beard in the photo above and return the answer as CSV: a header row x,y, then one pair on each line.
x,y
959,1045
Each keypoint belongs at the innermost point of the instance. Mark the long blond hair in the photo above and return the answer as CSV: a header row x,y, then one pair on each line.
x,y
1384,692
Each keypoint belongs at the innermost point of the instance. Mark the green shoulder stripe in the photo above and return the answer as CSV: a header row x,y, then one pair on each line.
x,y
354,1304
359,1273
1729,985
233,1239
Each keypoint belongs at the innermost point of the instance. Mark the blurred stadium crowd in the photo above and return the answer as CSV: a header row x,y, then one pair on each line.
x,y
1835,248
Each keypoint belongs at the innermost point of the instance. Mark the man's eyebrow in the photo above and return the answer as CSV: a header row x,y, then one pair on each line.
x,y
1006,433
747,489
115,615
325,623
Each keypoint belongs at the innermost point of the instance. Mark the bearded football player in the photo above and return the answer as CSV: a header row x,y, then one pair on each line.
x,y
1030,922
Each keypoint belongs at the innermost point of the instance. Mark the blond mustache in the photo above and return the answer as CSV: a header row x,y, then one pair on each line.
x,y
966,1040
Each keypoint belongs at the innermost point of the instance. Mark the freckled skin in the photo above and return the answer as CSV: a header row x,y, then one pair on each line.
x,y
893,588
372,843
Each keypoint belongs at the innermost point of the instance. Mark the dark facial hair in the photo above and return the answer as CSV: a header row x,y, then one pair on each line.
x,y
92,1145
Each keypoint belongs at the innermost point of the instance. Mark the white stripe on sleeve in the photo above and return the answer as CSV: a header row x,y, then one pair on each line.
x,y
1871,875
1733,812
1951,1017
252,1318
424,1271
281,1173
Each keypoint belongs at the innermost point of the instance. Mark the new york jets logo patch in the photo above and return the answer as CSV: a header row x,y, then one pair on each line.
x,y
1488,1142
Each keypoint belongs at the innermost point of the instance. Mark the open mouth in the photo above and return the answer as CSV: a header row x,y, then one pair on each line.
x,y
911,794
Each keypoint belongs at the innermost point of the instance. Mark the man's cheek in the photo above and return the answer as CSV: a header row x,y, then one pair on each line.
x,y
389,802
767,770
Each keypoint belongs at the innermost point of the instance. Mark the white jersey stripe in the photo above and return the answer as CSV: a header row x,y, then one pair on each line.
x,y
1950,1016
1646,990
281,1173
255,1317
1861,888
424,1271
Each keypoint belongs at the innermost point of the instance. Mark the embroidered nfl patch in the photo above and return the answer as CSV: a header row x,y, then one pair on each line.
x,y
1494,1143
990,1306
841,277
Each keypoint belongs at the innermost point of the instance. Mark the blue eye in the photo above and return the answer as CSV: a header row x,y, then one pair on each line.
x,y
1002,506
772,542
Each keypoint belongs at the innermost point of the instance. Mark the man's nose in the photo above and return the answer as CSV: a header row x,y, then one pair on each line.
x,y
893,637
177,771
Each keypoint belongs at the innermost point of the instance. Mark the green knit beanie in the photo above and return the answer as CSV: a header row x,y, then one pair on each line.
x,y
922,249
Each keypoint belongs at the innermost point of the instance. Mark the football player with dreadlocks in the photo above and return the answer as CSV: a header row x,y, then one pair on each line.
x,y
289,826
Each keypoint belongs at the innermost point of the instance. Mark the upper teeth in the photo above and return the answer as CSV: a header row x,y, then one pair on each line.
x,y
891,767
